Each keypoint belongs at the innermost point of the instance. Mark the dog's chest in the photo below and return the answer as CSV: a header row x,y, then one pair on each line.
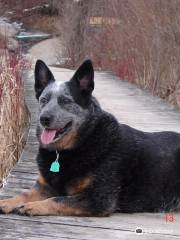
x,y
72,178
70,185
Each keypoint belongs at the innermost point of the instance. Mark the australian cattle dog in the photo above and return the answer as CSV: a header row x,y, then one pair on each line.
x,y
89,163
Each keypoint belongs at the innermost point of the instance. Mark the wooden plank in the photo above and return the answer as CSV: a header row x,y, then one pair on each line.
x,y
149,223
59,231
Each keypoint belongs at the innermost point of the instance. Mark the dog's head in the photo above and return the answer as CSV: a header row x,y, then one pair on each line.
x,y
63,108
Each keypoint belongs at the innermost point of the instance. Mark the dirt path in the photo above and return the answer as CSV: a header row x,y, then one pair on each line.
x,y
48,50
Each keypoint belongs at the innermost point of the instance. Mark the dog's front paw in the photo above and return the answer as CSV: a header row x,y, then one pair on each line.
x,y
30,209
6,206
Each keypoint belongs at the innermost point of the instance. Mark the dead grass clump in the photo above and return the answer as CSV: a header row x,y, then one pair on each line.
x,y
12,110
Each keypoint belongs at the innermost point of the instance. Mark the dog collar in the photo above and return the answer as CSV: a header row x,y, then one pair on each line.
x,y
55,166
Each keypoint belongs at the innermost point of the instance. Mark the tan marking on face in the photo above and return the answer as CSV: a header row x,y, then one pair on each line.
x,y
79,185
67,141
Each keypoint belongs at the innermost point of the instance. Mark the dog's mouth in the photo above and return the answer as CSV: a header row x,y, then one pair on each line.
x,y
52,135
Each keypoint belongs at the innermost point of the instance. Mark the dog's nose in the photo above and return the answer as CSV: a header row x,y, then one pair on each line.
x,y
46,120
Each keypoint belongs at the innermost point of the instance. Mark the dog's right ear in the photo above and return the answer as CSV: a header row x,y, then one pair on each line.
x,y
43,76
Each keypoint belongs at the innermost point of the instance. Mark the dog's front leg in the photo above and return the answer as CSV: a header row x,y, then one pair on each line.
x,y
39,192
62,206
76,205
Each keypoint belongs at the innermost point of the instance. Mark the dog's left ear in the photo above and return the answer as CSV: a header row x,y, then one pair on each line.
x,y
84,77
43,76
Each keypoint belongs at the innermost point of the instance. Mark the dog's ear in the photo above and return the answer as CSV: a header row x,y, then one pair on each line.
x,y
84,77
43,76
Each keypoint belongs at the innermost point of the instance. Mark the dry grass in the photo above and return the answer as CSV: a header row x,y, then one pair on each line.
x,y
13,116
143,47
138,40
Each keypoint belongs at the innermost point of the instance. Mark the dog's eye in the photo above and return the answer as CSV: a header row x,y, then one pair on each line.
x,y
43,101
63,100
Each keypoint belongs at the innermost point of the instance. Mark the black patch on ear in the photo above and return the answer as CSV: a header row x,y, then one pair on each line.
x,y
43,76
82,83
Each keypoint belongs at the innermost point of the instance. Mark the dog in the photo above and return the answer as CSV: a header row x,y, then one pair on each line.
x,y
90,164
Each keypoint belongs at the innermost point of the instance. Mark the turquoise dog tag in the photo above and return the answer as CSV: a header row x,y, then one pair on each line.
x,y
55,166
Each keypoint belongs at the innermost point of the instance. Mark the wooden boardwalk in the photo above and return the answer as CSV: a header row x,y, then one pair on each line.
x,y
131,106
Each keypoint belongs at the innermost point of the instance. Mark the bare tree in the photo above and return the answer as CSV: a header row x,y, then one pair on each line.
x,y
73,28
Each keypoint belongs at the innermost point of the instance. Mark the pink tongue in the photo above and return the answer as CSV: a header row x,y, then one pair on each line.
x,y
48,135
